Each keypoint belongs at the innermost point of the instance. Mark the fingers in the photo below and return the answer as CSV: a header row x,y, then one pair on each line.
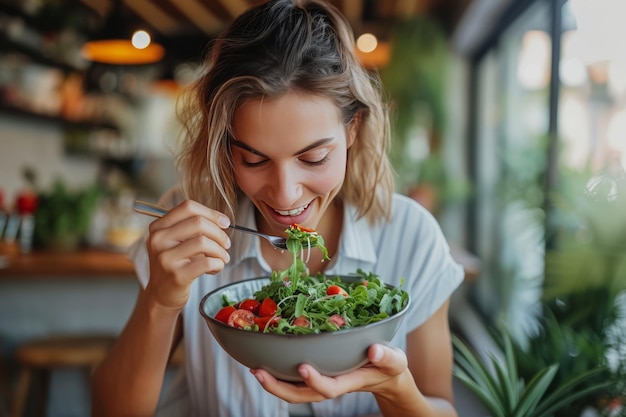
x,y
195,256
288,391
190,208
386,363
186,221
182,245
389,360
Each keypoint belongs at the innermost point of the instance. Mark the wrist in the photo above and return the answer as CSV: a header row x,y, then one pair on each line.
x,y
155,310
400,393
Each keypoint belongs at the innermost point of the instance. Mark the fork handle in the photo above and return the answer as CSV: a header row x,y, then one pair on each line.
x,y
245,229
149,209
156,211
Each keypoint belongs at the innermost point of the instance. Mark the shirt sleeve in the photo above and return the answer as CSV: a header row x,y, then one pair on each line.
x,y
431,274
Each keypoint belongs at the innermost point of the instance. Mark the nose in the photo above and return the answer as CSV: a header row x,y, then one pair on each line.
x,y
286,186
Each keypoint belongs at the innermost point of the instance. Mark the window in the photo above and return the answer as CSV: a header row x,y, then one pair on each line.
x,y
544,107
512,105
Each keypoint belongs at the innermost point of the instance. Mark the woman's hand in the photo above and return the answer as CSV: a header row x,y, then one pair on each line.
x,y
380,376
182,245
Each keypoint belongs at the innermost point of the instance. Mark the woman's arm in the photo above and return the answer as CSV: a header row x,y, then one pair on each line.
x,y
129,381
427,384
186,243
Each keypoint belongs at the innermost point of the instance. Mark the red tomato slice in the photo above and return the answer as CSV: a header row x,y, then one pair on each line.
x,y
250,305
337,319
224,314
268,307
241,319
303,228
336,290
301,321
263,322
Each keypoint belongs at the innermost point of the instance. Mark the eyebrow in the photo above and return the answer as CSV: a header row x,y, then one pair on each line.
x,y
314,145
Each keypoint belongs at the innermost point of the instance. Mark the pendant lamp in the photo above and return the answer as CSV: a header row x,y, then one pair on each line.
x,y
119,43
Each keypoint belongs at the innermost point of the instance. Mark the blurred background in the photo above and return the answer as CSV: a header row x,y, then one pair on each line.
x,y
509,125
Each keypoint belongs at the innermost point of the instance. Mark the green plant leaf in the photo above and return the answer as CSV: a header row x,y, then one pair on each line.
x,y
563,395
486,398
534,392
507,387
470,368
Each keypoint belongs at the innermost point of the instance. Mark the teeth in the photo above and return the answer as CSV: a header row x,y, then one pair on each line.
x,y
293,212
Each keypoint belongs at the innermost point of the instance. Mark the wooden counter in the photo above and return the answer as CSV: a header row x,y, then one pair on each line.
x,y
85,264
98,263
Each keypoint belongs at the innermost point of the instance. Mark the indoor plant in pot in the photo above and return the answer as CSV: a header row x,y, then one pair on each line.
x,y
63,215
501,388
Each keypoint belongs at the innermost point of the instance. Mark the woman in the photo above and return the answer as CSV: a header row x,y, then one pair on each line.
x,y
284,127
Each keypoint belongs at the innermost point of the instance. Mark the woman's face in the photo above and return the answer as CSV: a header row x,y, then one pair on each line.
x,y
289,157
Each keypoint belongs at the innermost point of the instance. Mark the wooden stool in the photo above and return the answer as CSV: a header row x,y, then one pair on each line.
x,y
43,355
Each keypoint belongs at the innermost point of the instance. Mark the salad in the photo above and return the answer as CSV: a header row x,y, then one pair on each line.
x,y
295,302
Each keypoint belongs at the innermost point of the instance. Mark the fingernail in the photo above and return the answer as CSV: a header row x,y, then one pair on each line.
x,y
223,221
378,353
227,244
304,372
258,376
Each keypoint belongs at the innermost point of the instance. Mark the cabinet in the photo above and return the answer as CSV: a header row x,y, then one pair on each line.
x,y
42,78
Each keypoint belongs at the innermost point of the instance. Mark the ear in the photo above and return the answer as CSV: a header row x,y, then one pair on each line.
x,y
353,128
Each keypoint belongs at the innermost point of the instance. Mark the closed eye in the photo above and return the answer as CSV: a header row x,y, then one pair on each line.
x,y
254,164
316,163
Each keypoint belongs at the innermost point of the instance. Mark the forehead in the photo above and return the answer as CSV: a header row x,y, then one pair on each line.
x,y
289,117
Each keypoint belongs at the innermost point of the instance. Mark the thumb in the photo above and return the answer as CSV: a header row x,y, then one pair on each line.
x,y
389,360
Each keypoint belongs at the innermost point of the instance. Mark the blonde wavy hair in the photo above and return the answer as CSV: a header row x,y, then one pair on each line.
x,y
271,49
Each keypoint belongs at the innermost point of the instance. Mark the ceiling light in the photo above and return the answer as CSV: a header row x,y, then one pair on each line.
x,y
366,42
141,39
116,44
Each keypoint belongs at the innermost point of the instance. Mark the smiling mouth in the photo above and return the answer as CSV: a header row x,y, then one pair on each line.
x,y
293,212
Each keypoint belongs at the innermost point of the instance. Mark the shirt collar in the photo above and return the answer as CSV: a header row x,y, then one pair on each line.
x,y
356,238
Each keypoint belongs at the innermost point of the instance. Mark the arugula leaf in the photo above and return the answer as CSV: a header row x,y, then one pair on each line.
x,y
297,293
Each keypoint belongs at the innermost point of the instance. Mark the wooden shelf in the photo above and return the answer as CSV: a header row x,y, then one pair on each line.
x,y
9,45
89,263
83,124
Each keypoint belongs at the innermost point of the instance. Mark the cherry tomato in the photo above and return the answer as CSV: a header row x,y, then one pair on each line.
x,y
304,229
224,314
336,290
250,305
337,320
268,307
263,322
301,321
241,319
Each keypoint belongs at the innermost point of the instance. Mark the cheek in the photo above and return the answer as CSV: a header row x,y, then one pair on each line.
x,y
248,182
330,178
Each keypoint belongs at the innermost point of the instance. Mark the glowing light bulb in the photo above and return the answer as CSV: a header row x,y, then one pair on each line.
x,y
141,39
367,42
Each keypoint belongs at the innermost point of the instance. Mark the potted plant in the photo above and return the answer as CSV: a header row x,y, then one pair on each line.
x,y
63,215
505,392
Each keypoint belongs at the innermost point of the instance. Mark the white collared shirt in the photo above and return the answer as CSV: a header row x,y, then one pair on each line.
x,y
410,246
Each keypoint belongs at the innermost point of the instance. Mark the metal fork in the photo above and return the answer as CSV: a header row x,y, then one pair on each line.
x,y
156,211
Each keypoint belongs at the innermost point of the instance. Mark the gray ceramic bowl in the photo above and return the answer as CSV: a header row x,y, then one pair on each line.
x,y
331,353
